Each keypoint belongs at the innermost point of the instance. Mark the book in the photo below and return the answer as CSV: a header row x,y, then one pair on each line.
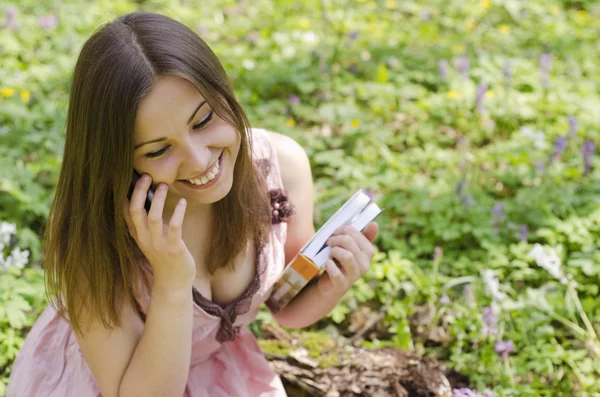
x,y
358,211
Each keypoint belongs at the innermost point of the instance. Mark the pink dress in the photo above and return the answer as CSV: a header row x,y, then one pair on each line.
x,y
226,359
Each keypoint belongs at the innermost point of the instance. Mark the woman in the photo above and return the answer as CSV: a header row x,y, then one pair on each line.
x,y
156,303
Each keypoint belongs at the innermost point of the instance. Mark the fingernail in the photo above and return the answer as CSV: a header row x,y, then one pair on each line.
x,y
145,178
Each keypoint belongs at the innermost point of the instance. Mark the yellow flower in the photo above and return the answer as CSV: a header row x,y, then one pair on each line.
x,y
470,22
25,96
458,49
490,93
361,1
6,92
485,3
290,122
505,29
582,14
453,94
304,23
355,123
371,4
554,10
391,4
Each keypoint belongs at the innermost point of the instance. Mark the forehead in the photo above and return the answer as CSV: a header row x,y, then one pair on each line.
x,y
167,106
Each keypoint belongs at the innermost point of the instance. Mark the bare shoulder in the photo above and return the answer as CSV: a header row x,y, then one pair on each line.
x,y
297,180
290,155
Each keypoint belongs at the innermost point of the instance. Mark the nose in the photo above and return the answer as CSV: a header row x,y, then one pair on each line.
x,y
197,159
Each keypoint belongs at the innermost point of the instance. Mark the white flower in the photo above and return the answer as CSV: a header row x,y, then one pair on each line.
x,y
549,261
492,285
17,258
538,137
6,230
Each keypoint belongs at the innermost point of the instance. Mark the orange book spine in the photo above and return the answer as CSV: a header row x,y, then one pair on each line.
x,y
295,277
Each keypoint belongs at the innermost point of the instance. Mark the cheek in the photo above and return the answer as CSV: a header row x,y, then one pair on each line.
x,y
163,170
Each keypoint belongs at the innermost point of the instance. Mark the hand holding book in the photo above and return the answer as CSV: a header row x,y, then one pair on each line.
x,y
339,239
353,251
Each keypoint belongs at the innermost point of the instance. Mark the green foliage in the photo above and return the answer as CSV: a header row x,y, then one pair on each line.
x,y
380,95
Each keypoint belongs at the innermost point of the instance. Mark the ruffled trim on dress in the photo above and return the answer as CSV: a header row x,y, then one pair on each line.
x,y
281,209
229,313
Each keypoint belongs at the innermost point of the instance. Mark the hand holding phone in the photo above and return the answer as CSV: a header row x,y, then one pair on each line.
x,y
161,242
149,195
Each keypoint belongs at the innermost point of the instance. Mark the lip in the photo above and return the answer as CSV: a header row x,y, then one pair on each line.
x,y
212,182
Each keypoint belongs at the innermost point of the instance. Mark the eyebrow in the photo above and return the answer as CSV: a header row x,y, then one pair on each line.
x,y
136,147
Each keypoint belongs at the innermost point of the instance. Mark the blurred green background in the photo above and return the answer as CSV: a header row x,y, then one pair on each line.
x,y
476,124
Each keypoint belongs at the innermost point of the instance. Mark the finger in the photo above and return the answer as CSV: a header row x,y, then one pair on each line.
x,y
155,216
174,232
362,241
136,207
346,241
347,261
127,218
349,242
332,280
371,231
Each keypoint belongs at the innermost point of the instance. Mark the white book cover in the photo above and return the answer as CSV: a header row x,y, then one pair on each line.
x,y
358,211
359,222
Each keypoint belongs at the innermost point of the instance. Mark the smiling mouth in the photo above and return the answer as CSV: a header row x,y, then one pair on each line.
x,y
197,182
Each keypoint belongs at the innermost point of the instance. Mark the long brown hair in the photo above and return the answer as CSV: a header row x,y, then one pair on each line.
x,y
90,259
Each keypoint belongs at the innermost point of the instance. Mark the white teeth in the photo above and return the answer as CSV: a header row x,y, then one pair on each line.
x,y
208,177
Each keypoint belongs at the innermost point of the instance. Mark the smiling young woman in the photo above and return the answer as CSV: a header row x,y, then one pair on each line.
x,y
156,303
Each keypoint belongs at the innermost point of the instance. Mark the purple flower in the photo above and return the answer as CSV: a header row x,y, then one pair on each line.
x,y
504,348
545,67
481,90
369,192
445,299
294,100
559,147
443,68
463,66
11,22
523,232
490,320
48,22
572,126
465,392
426,15
507,73
460,187
437,253
11,12
540,166
498,211
586,151
467,200
353,35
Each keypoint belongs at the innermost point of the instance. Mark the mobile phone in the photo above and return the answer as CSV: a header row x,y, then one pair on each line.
x,y
150,194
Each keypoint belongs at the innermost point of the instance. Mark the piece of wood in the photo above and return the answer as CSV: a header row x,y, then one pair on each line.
x,y
312,365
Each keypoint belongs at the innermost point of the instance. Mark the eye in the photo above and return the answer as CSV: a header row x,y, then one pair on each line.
x,y
158,152
204,121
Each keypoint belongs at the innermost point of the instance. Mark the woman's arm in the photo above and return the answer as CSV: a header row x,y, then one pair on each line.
x,y
143,360
353,251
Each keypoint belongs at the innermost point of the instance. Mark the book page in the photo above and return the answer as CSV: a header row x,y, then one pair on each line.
x,y
353,206
371,212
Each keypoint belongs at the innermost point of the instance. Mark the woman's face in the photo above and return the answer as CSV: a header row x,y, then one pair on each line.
x,y
180,141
